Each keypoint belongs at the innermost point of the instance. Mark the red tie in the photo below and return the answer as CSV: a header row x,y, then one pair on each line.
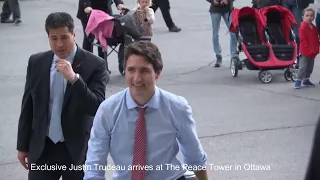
x,y
140,148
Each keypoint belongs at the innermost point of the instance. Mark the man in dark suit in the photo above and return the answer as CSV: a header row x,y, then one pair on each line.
x,y
64,88
84,9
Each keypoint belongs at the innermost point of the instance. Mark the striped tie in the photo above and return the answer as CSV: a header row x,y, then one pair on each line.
x,y
140,148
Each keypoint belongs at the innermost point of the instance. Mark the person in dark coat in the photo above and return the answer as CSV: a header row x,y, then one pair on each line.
x,y
221,9
11,7
84,9
264,3
313,170
164,6
64,88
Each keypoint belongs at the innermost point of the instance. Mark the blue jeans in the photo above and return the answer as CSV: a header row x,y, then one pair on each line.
x,y
297,13
216,20
318,21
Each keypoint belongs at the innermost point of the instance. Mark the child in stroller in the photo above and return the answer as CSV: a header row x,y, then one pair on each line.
x,y
266,39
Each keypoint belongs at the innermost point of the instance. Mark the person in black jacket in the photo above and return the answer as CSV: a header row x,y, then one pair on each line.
x,y
84,8
313,170
221,9
264,3
164,6
11,7
64,88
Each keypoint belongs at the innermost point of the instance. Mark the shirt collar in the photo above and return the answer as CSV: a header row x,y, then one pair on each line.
x,y
71,56
152,103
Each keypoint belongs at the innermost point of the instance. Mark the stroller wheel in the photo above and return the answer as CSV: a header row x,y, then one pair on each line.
x,y
265,76
234,67
121,59
287,74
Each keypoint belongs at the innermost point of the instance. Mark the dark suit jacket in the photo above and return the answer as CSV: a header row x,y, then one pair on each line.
x,y
313,170
81,102
103,5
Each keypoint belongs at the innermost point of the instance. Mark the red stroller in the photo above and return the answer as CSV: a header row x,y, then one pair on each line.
x,y
266,38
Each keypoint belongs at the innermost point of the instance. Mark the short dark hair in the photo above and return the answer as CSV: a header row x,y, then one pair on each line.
x,y
148,50
58,20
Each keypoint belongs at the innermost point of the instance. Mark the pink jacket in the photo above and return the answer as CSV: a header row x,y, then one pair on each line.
x,y
100,24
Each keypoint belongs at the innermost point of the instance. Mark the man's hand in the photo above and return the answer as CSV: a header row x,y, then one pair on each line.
x,y
224,2
201,175
23,158
65,68
215,2
120,6
88,10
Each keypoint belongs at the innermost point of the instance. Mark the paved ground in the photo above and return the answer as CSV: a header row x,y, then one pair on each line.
x,y
239,120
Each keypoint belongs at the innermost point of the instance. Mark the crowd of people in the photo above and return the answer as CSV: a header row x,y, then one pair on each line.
x,y
71,133
76,128
54,132
144,12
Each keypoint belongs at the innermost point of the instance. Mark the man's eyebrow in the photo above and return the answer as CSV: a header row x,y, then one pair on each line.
x,y
133,67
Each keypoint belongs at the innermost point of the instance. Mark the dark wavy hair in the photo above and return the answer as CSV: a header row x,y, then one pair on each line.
x,y
148,50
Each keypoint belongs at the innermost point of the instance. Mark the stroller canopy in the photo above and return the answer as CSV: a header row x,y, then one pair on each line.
x,y
283,15
237,14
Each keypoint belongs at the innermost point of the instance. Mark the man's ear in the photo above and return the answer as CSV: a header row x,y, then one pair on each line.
x,y
73,37
158,75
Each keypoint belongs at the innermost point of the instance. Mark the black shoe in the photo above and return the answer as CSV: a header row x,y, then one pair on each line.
x,y
17,21
6,21
218,62
174,29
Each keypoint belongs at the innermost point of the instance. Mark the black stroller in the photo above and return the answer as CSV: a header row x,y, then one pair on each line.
x,y
125,31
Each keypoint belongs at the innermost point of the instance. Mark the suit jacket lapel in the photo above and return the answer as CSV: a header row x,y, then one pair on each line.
x,y
76,64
